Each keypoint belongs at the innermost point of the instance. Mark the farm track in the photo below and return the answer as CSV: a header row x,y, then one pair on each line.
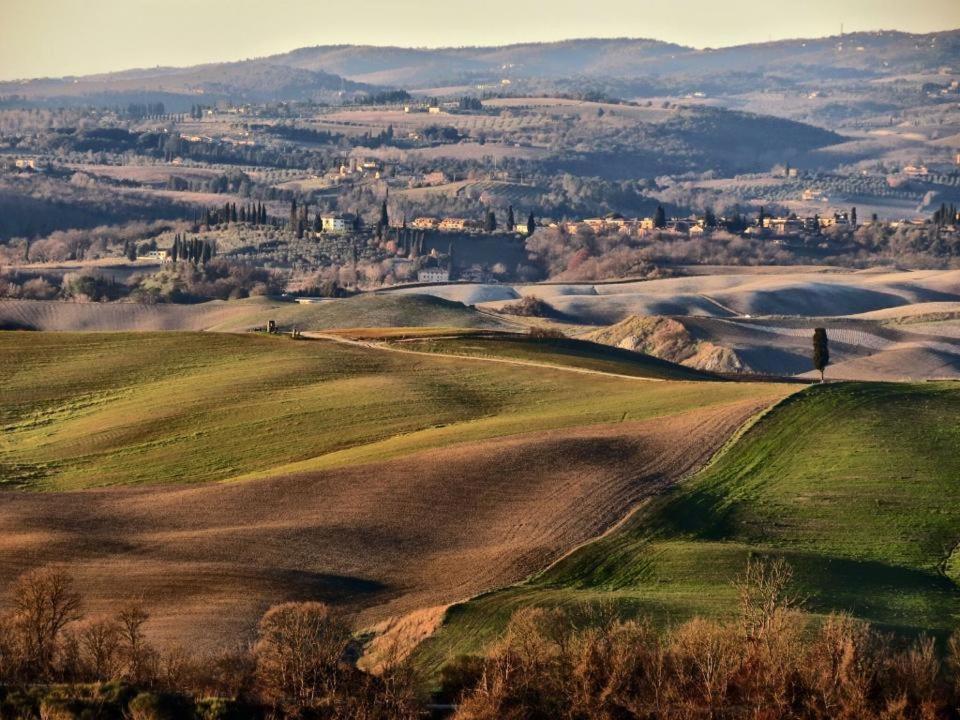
x,y
370,345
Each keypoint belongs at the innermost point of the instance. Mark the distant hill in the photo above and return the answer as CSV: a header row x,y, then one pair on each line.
x,y
178,88
868,54
328,70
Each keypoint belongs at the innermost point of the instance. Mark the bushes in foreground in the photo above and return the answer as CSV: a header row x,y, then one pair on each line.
x,y
768,663
56,664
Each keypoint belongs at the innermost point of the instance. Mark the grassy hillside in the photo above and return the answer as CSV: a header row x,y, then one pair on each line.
x,y
556,351
856,485
383,482
100,409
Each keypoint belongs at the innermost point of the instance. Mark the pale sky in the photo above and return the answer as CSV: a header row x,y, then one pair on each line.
x,y
52,38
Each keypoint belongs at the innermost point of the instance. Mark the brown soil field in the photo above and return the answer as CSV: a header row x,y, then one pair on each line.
x,y
381,540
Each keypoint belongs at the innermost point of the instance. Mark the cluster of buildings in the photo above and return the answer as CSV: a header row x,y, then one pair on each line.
x,y
457,225
27,164
450,224
698,226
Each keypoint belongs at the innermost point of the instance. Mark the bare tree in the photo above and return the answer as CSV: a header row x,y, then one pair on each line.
x,y
99,641
44,602
138,657
298,650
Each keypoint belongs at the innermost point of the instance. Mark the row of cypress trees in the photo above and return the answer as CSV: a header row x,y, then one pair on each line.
x,y
193,250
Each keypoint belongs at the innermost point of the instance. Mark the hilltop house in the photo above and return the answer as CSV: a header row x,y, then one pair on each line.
x,y
338,223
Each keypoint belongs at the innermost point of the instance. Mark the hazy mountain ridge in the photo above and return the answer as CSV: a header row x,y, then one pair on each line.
x,y
628,58
311,72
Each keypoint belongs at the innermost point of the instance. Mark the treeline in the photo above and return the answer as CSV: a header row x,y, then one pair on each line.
x,y
946,215
197,276
769,663
772,661
192,250
58,663
250,213
140,111
587,255
385,97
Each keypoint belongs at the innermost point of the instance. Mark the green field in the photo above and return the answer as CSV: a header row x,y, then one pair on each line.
x,y
857,485
84,410
556,351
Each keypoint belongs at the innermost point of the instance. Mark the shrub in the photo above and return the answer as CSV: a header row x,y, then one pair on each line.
x,y
150,706
529,306
542,333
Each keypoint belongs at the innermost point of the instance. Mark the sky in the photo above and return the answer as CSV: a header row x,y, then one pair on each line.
x,y
54,38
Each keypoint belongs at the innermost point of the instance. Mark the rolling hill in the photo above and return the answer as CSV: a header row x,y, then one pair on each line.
x,y
854,484
368,310
219,474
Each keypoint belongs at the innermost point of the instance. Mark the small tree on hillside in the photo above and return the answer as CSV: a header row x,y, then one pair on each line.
x,y
821,351
511,221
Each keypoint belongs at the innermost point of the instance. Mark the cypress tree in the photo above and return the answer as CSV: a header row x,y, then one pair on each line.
x,y
293,214
821,351
531,224
660,217
511,221
384,218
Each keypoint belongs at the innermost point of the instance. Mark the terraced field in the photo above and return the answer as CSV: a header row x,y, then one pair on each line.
x,y
217,474
856,484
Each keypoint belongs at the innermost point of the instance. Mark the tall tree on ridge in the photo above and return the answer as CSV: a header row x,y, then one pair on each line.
x,y
821,351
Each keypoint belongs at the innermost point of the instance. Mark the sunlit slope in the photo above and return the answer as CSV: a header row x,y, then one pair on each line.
x,y
857,485
380,481
554,351
90,410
